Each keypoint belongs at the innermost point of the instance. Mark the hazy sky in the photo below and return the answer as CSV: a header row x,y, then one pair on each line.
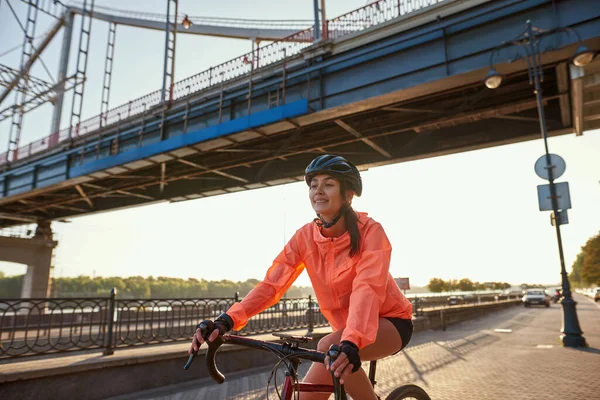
x,y
471,215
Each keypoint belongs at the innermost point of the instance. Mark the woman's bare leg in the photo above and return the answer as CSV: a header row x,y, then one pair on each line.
x,y
357,385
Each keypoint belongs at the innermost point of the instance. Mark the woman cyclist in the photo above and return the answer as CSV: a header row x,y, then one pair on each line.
x,y
347,257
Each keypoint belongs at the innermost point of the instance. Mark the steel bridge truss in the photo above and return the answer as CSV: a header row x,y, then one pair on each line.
x,y
21,97
32,92
39,91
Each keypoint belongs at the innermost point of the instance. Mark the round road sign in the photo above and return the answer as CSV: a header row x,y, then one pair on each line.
x,y
557,164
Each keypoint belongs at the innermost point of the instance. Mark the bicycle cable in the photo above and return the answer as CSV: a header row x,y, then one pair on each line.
x,y
273,376
279,355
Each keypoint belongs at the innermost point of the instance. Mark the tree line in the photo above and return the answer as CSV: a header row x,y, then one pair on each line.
x,y
585,271
140,287
437,285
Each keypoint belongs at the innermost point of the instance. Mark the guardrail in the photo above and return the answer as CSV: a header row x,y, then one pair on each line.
x,y
54,325
430,301
46,326
349,23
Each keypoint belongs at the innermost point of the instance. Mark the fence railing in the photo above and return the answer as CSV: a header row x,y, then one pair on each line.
x,y
54,325
46,326
431,301
349,23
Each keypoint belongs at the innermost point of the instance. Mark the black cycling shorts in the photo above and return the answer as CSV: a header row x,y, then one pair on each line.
x,y
405,328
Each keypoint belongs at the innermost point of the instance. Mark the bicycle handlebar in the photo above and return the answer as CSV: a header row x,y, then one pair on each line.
x,y
281,348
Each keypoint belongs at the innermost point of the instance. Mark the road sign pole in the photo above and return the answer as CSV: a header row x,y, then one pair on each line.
x,y
571,336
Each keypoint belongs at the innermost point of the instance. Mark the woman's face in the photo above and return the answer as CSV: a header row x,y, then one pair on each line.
x,y
325,196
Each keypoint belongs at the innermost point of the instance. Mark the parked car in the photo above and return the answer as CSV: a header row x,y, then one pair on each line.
x,y
454,300
536,297
469,298
592,293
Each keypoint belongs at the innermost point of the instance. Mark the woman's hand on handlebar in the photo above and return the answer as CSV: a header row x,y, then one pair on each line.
x,y
346,363
197,340
208,330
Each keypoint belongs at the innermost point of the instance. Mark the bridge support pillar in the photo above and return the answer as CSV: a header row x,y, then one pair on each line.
x,y
36,253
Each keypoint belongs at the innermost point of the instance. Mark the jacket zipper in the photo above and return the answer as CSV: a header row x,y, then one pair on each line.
x,y
330,267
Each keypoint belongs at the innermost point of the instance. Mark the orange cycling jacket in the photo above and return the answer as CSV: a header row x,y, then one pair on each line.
x,y
353,292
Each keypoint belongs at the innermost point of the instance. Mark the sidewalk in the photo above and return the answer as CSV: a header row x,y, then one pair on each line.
x,y
469,361
67,363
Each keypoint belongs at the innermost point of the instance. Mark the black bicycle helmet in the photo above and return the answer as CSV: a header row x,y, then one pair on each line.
x,y
336,166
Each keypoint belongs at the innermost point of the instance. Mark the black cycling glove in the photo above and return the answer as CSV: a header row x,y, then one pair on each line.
x,y
223,323
351,351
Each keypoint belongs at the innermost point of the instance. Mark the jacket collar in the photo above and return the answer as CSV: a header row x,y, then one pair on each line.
x,y
345,238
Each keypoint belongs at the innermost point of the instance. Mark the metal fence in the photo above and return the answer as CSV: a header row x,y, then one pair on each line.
x,y
53,325
365,17
436,301
46,326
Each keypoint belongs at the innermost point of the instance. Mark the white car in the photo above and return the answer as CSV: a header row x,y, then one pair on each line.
x,y
535,297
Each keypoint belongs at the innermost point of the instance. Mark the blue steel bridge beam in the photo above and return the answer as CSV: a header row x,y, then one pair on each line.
x,y
428,127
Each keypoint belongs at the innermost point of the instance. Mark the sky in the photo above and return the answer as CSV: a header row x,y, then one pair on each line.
x,y
472,214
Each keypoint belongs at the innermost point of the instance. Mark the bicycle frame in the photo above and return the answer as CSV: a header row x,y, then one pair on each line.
x,y
301,387
289,349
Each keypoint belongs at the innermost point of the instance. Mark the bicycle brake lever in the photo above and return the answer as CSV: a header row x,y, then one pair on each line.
x,y
333,353
204,326
190,360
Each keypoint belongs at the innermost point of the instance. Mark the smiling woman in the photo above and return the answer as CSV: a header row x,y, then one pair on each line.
x,y
347,257
333,182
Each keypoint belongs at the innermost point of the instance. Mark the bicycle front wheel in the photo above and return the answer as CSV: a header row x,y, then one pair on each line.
x,y
408,392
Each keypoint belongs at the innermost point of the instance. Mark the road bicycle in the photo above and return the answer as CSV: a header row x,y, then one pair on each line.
x,y
290,353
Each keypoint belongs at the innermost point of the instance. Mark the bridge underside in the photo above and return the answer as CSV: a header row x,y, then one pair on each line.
x,y
449,113
466,118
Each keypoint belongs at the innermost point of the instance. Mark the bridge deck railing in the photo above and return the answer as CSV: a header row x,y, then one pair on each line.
x,y
370,15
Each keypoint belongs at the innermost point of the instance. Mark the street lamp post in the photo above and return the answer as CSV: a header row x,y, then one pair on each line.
x,y
529,40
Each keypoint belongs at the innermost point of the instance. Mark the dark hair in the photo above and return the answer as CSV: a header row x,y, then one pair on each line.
x,y
351,221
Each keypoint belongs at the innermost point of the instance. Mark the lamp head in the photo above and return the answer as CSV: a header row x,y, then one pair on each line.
x,y
583,56
493,79
186,22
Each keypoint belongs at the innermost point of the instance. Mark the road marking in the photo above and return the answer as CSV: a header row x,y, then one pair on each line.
x,y
544,346
503,330
593,302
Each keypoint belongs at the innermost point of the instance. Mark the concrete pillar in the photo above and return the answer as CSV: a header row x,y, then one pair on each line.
x,y
36,253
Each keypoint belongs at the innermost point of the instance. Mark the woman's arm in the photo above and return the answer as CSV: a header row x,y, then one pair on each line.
x,y
286,267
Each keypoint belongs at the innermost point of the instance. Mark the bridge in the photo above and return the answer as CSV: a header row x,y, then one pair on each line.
x,y
391,82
